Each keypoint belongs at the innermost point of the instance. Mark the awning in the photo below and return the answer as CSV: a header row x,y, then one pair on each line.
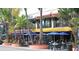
x,y
32,33
55,33
57,29
63,33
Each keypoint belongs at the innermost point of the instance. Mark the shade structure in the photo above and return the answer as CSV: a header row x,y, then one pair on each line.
x,y
53,33
57,33
32,33
63,33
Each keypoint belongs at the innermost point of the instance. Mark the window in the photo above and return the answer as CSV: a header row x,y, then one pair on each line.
x,y
43,23
46,23
38,24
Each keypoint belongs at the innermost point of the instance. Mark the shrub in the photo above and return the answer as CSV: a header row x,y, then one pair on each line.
x,y
77,41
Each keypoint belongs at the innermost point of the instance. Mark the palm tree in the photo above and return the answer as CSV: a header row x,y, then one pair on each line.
x,y
8,14
28,22
7,17
22,22
72,15
41,36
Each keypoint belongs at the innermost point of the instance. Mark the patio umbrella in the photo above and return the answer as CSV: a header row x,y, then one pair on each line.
x,y
53,33
31,33
63,33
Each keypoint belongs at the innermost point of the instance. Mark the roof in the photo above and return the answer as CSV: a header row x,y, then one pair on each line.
x,y
47,16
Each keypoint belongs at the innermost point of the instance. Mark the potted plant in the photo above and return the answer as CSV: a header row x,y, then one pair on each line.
x,y
15,43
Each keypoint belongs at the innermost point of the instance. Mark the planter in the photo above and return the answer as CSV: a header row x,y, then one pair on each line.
x,y
15,45
39,46
5,44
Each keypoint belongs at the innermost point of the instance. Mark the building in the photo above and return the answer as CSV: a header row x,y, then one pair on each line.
x,y
51,23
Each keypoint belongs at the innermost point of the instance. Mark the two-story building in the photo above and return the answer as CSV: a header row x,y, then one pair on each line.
x,y
52,23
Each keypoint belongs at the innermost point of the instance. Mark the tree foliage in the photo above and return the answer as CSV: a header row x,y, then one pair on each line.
x,y
73,21
5,13
23,22
66,12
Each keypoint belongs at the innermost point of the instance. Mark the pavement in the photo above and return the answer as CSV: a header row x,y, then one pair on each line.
x,y
2,48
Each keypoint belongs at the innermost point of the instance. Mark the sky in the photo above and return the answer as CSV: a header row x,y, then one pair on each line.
x,y
32,12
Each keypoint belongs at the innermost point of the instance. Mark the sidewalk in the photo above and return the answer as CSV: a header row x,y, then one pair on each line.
x,y
2,48
30,49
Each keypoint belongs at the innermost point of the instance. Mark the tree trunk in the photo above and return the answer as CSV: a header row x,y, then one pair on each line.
x,y
74,33
75,41
28,26
41,36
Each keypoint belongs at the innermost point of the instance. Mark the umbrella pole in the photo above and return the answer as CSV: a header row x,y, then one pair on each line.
x,y
60,42
54,42
71,37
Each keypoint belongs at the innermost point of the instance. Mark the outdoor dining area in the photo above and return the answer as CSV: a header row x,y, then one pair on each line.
x,y
60,43
56,41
